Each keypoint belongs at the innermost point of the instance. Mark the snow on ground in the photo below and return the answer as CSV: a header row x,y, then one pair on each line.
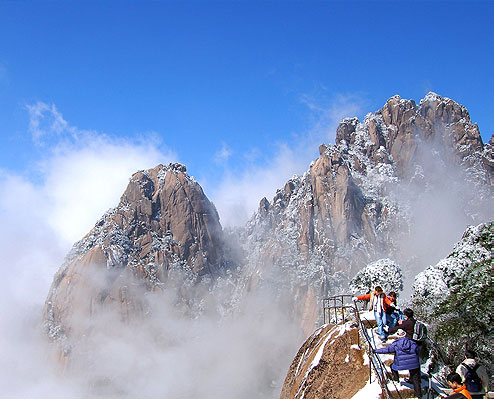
x,y
370,391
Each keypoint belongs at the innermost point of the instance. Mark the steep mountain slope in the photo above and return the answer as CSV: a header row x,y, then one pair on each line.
x,y
456,296
395,185
164,226
383,190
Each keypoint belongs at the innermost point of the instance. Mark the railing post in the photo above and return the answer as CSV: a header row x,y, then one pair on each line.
x,y
370,370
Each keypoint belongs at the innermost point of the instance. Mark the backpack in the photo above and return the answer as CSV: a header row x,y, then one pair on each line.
x,y
472,380
419,331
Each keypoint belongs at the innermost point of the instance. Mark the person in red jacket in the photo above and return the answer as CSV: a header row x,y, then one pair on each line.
x,y
378,302
459,390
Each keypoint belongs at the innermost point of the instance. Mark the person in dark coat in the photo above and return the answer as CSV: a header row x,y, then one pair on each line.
x,y
406,358
406,325
393,312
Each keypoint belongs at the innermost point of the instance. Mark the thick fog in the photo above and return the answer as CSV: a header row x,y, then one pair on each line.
x,y
440,201
160,353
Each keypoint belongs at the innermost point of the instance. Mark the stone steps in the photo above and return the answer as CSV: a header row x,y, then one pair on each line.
x,y
401,373
403,392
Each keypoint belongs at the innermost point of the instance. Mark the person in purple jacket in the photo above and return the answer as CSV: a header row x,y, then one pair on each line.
x,y
406,358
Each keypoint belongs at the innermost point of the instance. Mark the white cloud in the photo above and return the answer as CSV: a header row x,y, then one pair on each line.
x,y
82,183
223,155
84,172
46,121
327,117
81,175
238,194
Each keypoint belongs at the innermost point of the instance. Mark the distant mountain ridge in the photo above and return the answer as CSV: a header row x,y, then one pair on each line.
x,y
345,211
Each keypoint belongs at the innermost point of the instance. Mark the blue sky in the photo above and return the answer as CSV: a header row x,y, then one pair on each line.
x,y
231,89
242,92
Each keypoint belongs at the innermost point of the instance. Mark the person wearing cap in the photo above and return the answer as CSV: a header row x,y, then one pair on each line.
x,y
406,357
408,325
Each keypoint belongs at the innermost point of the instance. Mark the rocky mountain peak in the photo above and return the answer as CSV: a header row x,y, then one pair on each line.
x,y
345,211
320,228
164,222
396,133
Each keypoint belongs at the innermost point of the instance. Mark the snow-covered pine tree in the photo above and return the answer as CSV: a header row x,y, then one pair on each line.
x,y
456,297
383,272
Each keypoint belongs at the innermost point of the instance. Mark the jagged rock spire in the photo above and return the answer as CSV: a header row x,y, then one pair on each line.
x,y
163,222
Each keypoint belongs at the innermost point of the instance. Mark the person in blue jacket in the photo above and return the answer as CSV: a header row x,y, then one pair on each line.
x,y
406,358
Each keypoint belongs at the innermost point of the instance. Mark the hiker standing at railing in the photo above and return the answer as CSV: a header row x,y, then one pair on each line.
x,y
378,302
473,374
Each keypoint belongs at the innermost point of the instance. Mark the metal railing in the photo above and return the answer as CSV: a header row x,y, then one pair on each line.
x,y
337,310
341,308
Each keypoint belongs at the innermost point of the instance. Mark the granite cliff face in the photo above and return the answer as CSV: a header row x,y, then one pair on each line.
x,y
356,203
163,225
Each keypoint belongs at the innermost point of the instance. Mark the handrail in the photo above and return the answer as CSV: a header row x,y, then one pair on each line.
x,y
379,367
338,303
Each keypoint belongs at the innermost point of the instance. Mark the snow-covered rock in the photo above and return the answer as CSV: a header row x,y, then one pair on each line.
x,y
330,364
163,229
383,272
436,283
396,185
456,296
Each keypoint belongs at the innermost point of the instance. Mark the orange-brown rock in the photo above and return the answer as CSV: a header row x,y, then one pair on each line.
x,y
344,211
163,222
329,365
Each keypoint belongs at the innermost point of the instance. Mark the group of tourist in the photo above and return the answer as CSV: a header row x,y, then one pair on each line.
x,y
469,377
386,311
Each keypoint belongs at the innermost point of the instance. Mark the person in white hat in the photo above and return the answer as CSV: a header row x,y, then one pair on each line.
x,y
406,357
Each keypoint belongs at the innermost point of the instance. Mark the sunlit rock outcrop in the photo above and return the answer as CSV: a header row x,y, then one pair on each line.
x,y
164,224
330,365
387,184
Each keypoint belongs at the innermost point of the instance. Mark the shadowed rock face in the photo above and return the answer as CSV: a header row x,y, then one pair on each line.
x,y
163,222
329,365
